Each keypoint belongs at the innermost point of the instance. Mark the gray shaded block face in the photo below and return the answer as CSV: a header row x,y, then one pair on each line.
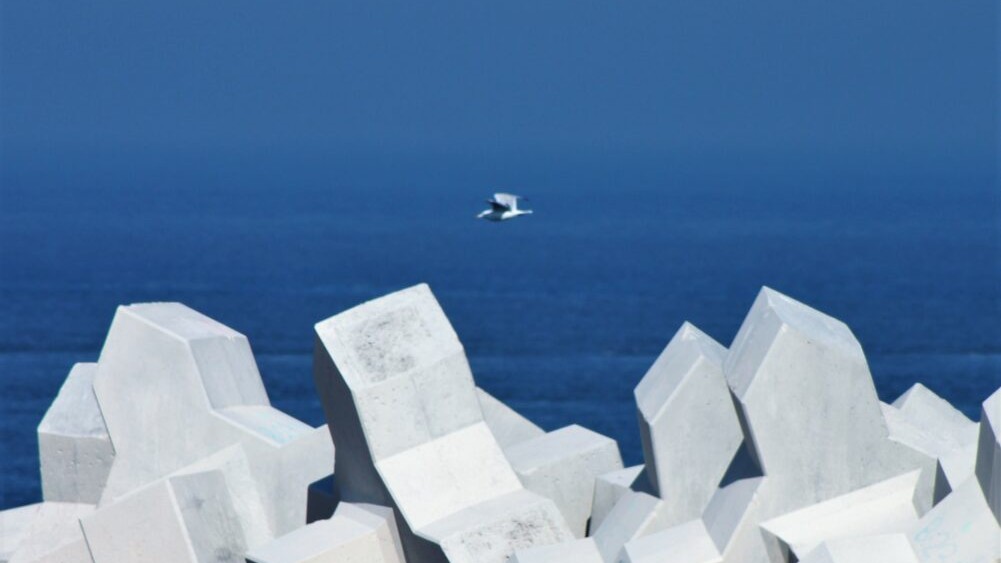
x,y
884,508
988,465
505,423
562,466
960,528
688,423
356,533
865,549
54,535
609,488
577,551
685,543
75,451
405,415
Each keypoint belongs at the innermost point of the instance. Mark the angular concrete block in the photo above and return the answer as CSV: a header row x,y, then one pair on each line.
x,y
688,423
810,415
405,415
562,466
359,533
936,416
505,423
576,551
634,516
733,509
54,535
75,451
884,508
885,548
685,543
176,387
988,465
609,488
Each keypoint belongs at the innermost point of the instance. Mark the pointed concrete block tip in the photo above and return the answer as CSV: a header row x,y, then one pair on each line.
x,y
771,314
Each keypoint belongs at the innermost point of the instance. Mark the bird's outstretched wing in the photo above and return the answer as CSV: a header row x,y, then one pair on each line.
x,y
497,206
505,201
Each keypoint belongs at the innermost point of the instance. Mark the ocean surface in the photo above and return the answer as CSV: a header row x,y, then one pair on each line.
x,y
561,313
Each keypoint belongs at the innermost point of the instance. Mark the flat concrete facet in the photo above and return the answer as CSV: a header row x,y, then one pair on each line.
x,y
884,508
577,551
356,533
509,427
886,548
54,535
609,488
75,451
14,524
689,428
685,543
562,466
635,515
960,528
988,464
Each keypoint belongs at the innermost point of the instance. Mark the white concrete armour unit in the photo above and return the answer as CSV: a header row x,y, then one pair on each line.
x,y
405,416
576,551
176,386
889,548
505,423
356,533
54,535
811,417
685,543
562,466
687,422
988,468
884,508
74,448
960,528
609,488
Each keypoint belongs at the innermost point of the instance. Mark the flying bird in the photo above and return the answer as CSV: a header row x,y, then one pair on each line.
x,y
502,208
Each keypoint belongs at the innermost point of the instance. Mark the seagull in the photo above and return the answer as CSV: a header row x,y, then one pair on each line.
x,y
502,208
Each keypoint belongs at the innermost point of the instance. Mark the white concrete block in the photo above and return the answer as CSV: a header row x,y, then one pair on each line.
x,y
505,423
924,408
562,466
577,551
609,488
884,508
176,387
406,417
988,464
14,524
356,533
886,548
634,516
689,428
54,535
75,451
811,417
685,543
960,528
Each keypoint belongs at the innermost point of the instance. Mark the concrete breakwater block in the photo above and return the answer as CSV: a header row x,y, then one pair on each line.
x,y
774,449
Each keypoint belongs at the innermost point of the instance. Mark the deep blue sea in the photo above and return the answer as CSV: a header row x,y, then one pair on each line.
x,y
561,312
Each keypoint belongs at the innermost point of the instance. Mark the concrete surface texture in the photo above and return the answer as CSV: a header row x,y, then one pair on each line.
x,y
773,450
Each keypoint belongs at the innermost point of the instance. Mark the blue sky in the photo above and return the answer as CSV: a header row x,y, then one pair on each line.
x,y
894,84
